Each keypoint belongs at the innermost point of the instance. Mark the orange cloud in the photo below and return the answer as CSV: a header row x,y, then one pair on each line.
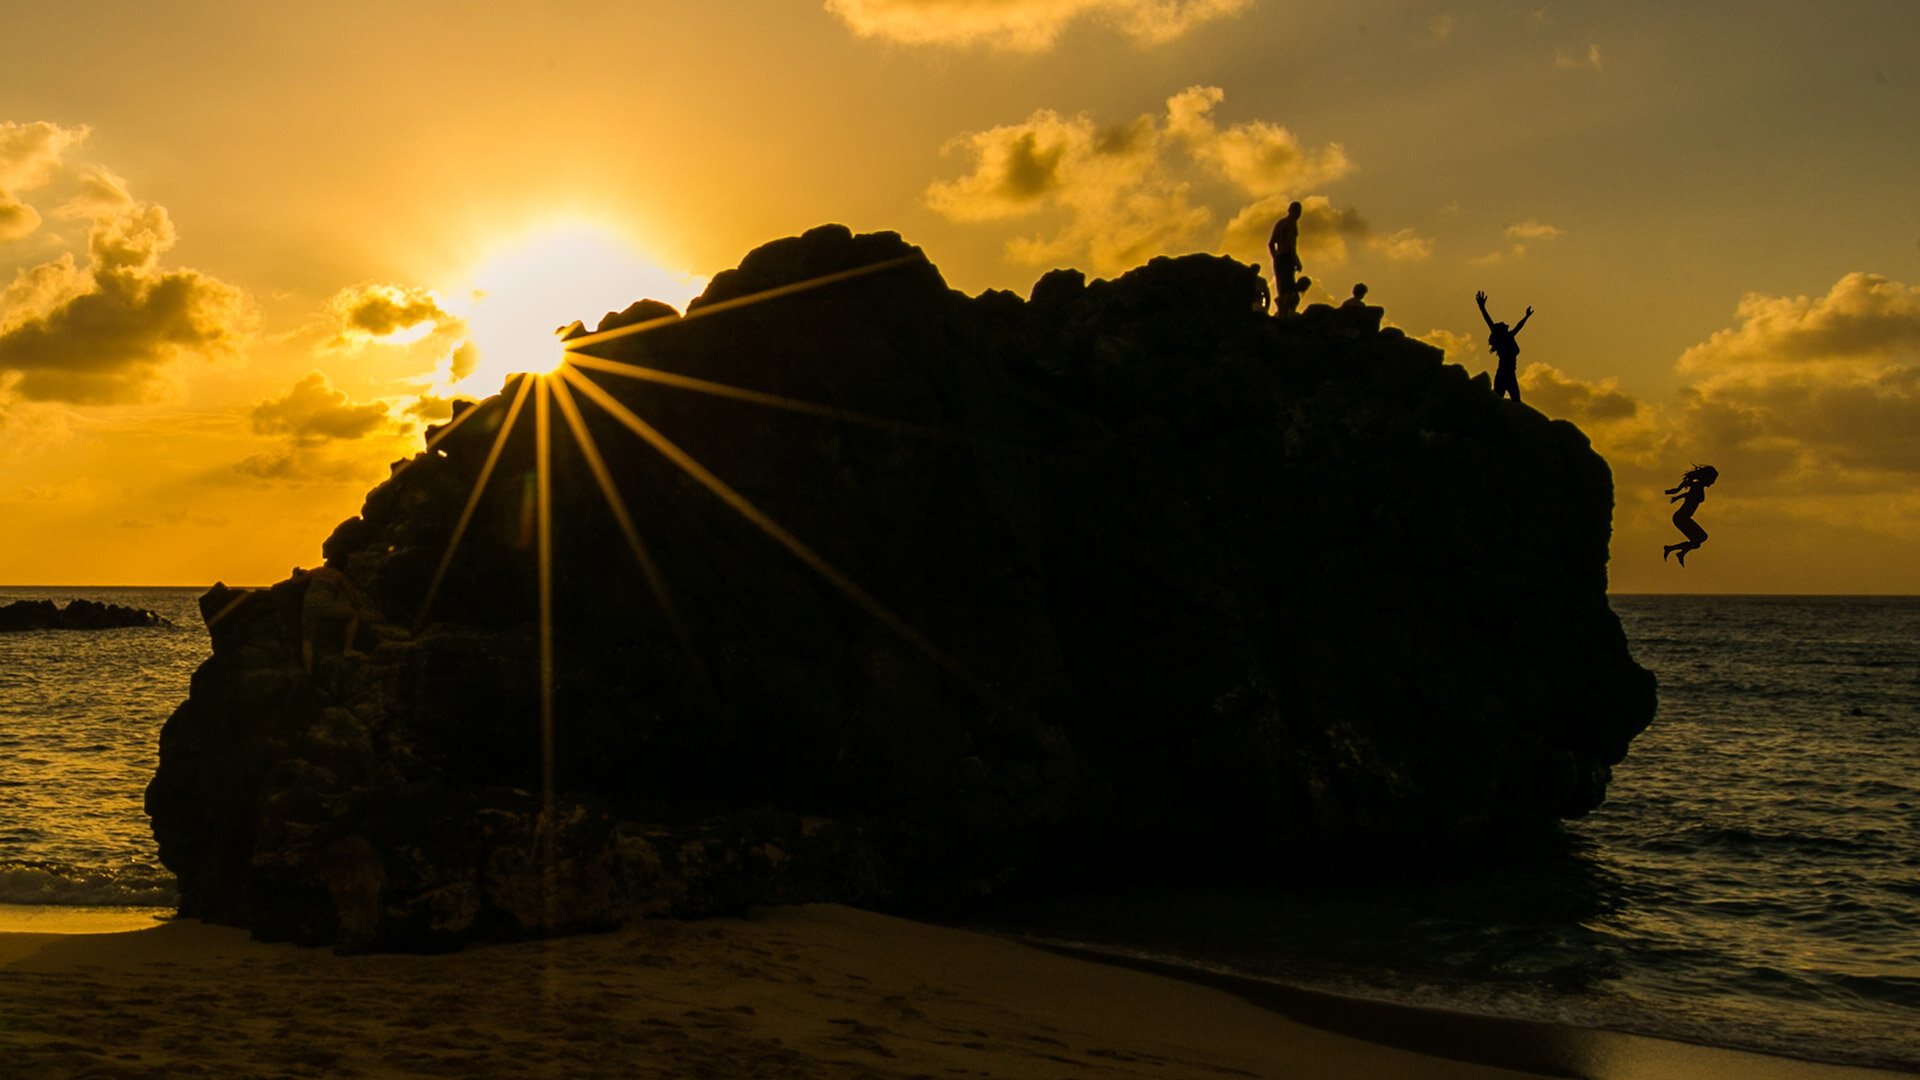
x,y
1864,323
1121,201
1532,230
1810,400
30,155
1124,192
1462,349
380,312
318,422
1262,159
112,332
313,411
1558,394
1815,390
1571,60
306,465
1025,25
1325,231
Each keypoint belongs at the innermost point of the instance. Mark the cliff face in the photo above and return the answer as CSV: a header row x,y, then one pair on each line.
x,y
1188,589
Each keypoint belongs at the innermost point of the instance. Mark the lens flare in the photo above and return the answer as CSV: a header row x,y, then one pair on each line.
x,y
521,296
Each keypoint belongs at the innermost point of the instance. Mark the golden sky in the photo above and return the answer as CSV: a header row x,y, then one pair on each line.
x,y
249,248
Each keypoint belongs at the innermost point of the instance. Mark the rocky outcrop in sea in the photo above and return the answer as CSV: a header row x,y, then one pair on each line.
x,y
79,614
1120,580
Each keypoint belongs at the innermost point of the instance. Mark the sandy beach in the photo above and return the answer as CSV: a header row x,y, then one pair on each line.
x,y
816,991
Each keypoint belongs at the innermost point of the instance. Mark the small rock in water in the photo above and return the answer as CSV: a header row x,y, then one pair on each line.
x,y
77,615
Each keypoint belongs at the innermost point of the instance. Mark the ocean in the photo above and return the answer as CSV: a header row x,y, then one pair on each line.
x,y
1752,881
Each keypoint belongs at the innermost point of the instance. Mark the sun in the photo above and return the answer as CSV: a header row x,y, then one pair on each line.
x,y
518,297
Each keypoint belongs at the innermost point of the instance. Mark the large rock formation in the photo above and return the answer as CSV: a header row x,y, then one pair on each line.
x,y
79,614
1185,589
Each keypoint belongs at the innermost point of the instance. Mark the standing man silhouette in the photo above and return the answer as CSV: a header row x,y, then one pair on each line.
x,y
1501,341
1284,246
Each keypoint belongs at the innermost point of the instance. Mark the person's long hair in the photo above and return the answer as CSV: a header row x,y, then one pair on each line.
x,y
1700,475
1499,337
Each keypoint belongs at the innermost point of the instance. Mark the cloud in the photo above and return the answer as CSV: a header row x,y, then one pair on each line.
x,y
17,219
325,436
1325,231
1809,405
1462,349
1558,394
1519,234
112,332
382,313
429,407
41,288
1863,323
30,155
29,431
1262,159
1024,25
1571,60
1440,27
463,361
1402,245
1138,188
313,411
1121,201
1819,392
102,194
1532,230
305,465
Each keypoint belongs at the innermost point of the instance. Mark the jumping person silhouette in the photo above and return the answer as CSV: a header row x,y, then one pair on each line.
x,y
1501,341
1692,490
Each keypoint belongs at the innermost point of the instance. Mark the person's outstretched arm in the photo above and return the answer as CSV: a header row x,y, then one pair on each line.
x,y
1523,320
1481,299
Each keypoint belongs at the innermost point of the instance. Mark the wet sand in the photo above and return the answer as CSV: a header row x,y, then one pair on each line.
x,y
817,991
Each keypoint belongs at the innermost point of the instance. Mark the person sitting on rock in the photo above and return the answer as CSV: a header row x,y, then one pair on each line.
x,y
330,597
1502,341
1358,299
1288,302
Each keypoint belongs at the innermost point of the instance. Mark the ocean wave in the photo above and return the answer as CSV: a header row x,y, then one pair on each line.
x,y
1745,840
74,886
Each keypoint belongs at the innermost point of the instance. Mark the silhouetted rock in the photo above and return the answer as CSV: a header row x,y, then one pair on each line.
x,y
77,615
1211,592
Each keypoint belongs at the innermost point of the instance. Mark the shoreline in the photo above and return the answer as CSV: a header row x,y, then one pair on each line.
x,y
1531,1047
16,918
814,991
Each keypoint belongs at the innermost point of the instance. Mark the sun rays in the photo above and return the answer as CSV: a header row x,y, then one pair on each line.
x,y
560,389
